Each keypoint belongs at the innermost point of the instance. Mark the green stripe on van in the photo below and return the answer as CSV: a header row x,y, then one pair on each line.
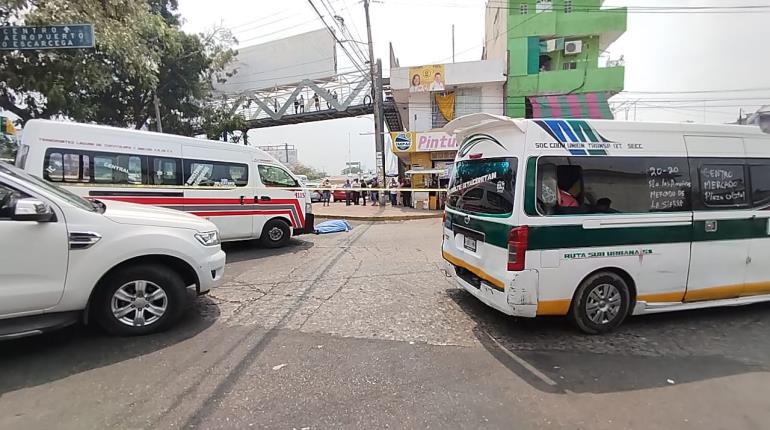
x,y
575,236
732,229
495,233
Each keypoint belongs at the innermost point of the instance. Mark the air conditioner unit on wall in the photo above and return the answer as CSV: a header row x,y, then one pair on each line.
x,y
573,47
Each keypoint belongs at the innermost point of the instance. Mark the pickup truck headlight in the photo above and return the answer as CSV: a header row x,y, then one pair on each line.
x,y
209,238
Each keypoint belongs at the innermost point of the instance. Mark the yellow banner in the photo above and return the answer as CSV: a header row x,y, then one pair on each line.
x,y
446,105
427,78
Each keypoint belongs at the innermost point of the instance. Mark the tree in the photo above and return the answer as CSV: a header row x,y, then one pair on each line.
x,y
351,171
140,52
311,173
220,121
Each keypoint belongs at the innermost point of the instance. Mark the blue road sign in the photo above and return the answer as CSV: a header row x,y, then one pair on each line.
x,y
47,37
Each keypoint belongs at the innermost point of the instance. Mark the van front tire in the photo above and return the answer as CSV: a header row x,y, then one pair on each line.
x,y
601,303
275,234
139,300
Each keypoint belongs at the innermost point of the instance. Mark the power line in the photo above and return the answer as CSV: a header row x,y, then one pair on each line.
x,y
738,90
261,36
344,49
283,12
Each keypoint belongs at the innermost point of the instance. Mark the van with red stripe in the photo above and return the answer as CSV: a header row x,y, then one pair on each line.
x,y
241,189
598,220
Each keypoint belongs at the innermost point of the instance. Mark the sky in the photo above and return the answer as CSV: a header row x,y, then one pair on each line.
x,y
669,57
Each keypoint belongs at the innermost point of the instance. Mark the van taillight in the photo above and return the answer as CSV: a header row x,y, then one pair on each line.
x,y
517,247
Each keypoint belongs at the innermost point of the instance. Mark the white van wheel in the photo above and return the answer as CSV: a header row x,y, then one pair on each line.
x,y
601,303
275,234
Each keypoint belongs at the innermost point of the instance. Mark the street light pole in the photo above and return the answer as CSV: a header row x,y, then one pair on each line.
x,y
375,74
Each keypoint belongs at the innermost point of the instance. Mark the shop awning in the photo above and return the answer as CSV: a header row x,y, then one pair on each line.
x,y
426,172
587,105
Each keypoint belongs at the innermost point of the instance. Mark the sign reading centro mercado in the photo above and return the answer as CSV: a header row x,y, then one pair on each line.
x,y
47,37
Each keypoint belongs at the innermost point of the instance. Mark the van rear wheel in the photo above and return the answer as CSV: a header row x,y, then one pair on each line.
x,y
138,300
601,303
275,234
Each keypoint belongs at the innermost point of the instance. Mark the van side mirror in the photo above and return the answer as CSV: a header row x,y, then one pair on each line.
x,y
31,209
764,121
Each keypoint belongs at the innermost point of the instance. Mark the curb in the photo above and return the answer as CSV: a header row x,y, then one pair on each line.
x,y
380,218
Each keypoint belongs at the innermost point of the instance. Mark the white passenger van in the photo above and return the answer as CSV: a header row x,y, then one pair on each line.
x,y
601,219
241,189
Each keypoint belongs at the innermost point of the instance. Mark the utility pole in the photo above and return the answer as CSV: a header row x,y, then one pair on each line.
x,y
156,101
375,76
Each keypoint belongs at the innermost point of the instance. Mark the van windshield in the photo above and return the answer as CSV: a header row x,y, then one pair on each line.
x,y
483,186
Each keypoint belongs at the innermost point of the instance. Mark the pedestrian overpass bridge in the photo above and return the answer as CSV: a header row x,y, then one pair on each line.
x,y
346,95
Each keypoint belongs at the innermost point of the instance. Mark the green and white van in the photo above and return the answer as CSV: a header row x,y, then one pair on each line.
x,y
601,219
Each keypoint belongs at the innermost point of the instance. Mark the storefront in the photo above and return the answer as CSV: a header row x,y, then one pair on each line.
x,y
428,158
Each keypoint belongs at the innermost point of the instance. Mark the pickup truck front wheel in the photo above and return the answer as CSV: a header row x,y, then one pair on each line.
x,y
139,300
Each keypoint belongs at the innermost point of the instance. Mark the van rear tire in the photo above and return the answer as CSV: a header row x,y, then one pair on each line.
x,y
601,303
275,234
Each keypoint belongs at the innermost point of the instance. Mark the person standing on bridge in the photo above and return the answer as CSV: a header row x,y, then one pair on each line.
x,y
316,101
301,103
296,105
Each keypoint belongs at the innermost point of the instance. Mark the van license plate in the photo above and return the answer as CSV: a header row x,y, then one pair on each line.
x,y
470,243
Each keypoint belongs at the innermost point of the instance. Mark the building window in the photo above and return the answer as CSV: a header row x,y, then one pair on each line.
x,y
545,63
571,65
523,8
567,6
544,6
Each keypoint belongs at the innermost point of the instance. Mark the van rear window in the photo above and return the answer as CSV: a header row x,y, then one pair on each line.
x,y
483,186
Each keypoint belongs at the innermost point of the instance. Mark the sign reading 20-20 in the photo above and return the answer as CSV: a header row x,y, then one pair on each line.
x,y
47,37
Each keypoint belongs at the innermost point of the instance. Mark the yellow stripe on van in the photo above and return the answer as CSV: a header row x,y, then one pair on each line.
x,y
675,297
728,291
500,285
553,307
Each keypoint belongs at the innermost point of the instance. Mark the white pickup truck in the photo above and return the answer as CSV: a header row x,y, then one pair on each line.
x,y
127,267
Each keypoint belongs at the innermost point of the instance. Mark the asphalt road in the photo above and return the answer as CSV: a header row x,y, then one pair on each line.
x,y
360,330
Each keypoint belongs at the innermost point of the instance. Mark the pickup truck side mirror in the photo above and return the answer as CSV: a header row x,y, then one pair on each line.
x,y
31,209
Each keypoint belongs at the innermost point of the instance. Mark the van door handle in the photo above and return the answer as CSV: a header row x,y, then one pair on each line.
x,y
242,200
265,198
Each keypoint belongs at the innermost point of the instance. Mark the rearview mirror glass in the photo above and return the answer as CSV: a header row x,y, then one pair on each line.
x,y
31,209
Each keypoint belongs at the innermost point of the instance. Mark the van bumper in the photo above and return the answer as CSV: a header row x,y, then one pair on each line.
x,y
211,272
518,299
309,226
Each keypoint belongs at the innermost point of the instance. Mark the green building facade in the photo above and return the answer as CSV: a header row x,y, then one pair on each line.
x,y
553,49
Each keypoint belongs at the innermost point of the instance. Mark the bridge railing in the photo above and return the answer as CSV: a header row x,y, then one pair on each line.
x,y
347,89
